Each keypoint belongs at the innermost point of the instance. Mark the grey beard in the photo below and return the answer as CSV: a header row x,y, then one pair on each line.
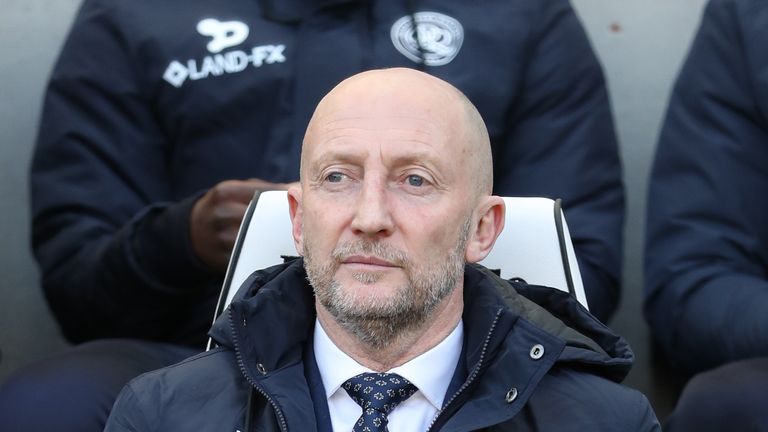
x,y
378,322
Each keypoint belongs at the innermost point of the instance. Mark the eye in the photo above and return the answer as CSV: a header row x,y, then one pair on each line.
x,y
334,177
415,180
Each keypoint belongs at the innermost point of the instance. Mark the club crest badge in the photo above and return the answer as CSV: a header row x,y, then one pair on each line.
x,y
439,37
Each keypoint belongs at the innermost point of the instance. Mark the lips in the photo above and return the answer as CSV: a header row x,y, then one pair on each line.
x,y
368,260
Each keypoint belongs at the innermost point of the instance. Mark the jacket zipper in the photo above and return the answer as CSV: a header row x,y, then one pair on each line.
x,y
473,375
251,381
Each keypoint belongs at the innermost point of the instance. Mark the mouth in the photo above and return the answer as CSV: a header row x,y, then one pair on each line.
x,y
368,261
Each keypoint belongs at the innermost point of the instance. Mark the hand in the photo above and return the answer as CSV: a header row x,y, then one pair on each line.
x,y
216,218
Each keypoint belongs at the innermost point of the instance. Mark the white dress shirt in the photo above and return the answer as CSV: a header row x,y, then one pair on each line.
x,y
430,372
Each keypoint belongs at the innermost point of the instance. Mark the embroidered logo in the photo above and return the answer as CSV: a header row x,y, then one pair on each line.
x,y
439,37
223,34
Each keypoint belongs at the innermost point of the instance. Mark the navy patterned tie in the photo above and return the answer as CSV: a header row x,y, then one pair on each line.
x,y
378,394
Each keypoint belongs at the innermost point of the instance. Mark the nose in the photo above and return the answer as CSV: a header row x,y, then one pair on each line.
x,y
373,214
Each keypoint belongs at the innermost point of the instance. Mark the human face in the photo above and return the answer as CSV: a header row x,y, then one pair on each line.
x,y
386,210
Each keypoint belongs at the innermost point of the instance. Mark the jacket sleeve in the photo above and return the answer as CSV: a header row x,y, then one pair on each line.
x,y
129,413
562,144
114,250
645,418
707,228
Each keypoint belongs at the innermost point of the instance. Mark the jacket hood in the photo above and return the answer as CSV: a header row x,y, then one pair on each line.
x,y
589,344
275,306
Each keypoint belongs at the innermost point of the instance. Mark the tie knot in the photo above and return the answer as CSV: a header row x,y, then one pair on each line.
x,y
379,391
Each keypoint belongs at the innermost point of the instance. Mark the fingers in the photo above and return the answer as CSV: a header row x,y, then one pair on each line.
x,y
265,185
217,215
240,191
243,190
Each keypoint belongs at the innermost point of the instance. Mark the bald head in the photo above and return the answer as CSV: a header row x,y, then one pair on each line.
x,y
407,94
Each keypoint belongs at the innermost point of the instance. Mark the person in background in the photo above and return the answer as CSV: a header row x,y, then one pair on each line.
x,y
162,118
382,326
707,236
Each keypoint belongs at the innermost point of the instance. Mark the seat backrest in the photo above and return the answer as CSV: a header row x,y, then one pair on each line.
x,y
535,244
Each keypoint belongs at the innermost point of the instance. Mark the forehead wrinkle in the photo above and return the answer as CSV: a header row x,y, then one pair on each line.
x,y
403,131
348,137
409,124
332,133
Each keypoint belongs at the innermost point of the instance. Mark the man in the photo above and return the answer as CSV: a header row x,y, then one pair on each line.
x,y
163,117
399,334
706,293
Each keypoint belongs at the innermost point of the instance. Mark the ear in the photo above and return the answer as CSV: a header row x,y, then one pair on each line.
x,y
490,222
294,206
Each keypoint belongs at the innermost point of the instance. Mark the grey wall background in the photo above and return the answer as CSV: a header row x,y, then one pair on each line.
x,y
31,33
641,44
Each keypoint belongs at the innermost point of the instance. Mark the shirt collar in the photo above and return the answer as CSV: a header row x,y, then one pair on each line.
x,y
431,372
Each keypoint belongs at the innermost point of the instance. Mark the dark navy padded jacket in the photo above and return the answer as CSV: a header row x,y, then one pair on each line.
x,y
572,386
707,232
146,109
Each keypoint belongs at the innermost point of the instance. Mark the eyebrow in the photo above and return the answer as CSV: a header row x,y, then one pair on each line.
x,y
337,156
418,158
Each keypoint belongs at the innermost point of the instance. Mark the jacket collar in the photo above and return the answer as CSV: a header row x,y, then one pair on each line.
x,y
511,343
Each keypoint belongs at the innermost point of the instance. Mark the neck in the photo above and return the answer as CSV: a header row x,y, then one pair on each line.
x,y
406,345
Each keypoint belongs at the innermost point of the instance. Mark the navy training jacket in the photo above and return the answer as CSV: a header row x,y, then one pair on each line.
x,y
571,387
706,254
153,102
